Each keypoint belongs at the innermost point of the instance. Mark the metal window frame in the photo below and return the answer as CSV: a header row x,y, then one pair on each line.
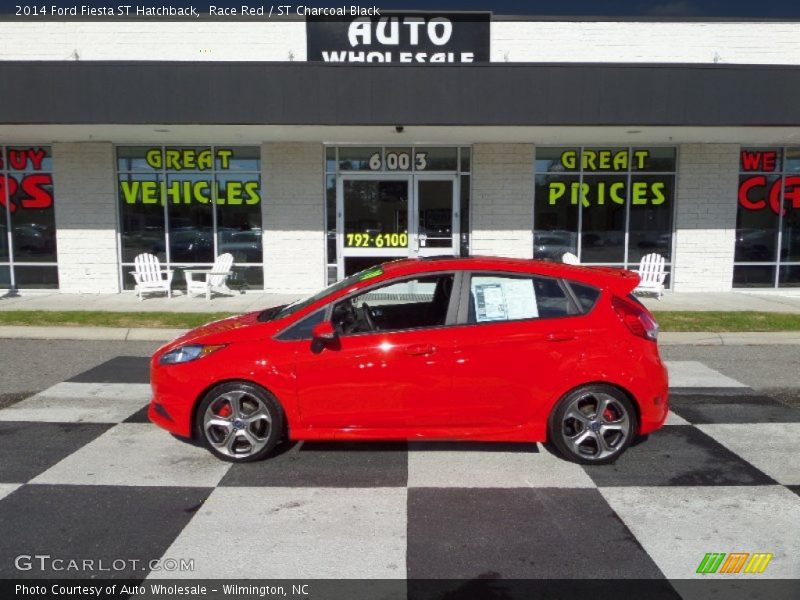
x,y
628,174
12,263
781,174
413,175
163,173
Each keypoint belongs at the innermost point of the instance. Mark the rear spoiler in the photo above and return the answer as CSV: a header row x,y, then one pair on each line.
x,y
620,281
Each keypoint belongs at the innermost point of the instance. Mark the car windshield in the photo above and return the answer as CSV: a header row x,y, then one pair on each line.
x,y
272,314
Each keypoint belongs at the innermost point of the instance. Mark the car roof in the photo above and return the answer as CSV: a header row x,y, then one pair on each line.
x,y
598,276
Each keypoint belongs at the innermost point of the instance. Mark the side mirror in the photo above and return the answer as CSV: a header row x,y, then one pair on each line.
x,y
324,333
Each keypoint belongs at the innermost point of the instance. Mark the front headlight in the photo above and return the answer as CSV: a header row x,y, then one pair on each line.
x,y
183,354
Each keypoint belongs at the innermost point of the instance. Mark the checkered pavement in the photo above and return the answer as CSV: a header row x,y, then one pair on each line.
x,y
83,474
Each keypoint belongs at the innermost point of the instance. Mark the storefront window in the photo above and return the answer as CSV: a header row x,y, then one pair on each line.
x,y
187,205
27,219
768,218
608,205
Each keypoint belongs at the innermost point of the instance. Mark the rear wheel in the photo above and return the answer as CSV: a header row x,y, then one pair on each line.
x,y
593,424
239,422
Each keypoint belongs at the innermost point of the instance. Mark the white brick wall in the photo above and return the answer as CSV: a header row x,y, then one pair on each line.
x,y
502,200
706,217
746,43
86,221
153,40
512,41
293,217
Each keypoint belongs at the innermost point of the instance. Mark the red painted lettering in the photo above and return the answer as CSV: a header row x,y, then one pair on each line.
x,y
10,184
744,192
759,161
38,194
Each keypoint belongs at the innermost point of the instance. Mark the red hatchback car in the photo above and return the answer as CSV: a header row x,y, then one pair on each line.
x,y
484,349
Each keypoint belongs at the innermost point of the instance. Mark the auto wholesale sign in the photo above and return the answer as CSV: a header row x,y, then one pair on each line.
x,y
400,38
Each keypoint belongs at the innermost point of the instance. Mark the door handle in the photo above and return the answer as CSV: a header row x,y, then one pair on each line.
x,y
559,337
420,349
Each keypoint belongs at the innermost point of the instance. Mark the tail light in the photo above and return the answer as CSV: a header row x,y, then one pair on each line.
x,y
636,318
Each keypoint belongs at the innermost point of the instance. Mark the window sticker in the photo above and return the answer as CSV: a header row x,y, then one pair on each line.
x,y
503,299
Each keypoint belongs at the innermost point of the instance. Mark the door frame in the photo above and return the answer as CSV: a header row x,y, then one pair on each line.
x,y
413,248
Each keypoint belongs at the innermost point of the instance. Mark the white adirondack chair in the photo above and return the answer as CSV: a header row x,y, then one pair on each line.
x,y
652,273
150,277
568,258
212,280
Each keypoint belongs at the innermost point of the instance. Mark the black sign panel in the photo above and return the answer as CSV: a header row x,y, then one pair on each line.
x,y
411,38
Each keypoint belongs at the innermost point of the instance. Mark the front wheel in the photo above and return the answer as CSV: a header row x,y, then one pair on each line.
x,y
592,425
239,422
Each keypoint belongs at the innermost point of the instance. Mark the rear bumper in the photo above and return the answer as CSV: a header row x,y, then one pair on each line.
x,y
653,399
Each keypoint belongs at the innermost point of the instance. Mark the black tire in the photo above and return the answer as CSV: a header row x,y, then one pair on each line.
x,y
248,396
617,432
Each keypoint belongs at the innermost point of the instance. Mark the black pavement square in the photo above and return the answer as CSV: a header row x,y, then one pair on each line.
x,y
709,391
99,523
29,449
794,488
326,464
140,416
703,409
121,369
519,533
678,455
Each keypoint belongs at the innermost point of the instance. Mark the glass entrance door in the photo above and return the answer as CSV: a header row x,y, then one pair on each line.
x,y
394,216
435,216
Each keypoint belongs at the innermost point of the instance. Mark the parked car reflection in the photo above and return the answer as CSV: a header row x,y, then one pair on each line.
x,y
553,244
34,239
245,245
755,245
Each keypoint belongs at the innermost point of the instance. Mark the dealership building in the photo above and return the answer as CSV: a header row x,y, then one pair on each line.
x,y
311,148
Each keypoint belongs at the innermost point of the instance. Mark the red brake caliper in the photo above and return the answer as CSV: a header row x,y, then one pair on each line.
x,y
225,411
608,415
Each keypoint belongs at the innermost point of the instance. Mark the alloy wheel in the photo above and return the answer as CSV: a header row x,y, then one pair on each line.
x,y
595,426
237,424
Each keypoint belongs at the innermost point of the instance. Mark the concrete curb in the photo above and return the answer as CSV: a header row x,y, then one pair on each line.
x,y
144,334
750,338
111,334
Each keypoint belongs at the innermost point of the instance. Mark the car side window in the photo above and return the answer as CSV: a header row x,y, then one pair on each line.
x,y
586,294
516,297
302,329
408,304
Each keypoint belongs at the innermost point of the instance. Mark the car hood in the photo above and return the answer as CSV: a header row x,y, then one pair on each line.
x,y
225,331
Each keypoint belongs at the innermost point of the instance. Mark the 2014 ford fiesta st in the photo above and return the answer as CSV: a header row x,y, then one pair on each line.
x,y
485,349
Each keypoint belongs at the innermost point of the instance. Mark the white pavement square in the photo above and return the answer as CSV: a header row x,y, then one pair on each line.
x,y
774,448
677,526
137,454
673,419
297,533
81,403
487,468
7,488
690,373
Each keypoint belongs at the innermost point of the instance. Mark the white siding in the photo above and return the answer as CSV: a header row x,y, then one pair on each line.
x,y
706,217
293,217
502,200
86,218
153,40
749,43
512,41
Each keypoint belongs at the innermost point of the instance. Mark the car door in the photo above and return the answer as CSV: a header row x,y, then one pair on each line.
x,y
393,376
517,335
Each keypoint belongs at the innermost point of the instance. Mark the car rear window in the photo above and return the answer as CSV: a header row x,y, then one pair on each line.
x,y
586,294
